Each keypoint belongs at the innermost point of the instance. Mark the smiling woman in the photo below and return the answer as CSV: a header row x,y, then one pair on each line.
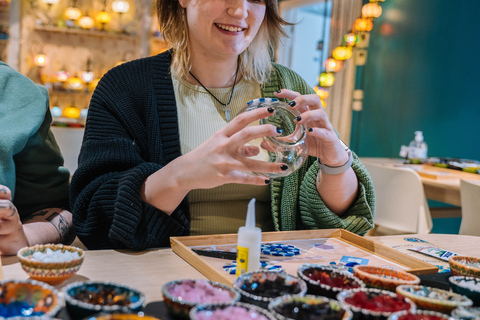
x,y
171,157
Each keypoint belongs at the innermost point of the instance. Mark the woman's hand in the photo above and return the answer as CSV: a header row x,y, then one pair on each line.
x,y
12,235
222,159
322,140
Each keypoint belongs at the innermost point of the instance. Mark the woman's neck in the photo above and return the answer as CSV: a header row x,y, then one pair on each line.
x,y
214,74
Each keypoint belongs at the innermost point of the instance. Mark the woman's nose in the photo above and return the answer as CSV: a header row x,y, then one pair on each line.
x,y
237,8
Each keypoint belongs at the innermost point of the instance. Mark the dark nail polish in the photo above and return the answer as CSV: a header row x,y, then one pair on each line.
x,y
279,130
270,109
299,118
284,167
292,104
267,181
278,91
310,129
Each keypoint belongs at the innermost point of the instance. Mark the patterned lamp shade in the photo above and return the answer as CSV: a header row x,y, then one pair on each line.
x,y
342,53
326,79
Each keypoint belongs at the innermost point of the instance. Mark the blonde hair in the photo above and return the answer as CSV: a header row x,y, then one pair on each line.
x,y
255,62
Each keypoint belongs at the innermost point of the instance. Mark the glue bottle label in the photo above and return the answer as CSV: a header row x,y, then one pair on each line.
x,y
242,260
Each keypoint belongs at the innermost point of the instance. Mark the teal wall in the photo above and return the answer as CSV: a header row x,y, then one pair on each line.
x,y
424,75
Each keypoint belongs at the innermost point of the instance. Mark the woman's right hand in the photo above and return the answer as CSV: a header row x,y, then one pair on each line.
x,y
222,159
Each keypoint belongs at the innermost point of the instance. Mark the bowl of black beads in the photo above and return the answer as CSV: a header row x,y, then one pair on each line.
x,y
261,287
87,298
308,307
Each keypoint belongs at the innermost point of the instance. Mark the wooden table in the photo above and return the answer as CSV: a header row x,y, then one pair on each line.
x,y
445,187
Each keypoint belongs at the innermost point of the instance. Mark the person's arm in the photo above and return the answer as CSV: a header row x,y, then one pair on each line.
x,y
53,225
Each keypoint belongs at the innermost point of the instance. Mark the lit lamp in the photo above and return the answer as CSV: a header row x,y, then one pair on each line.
x,y
71,112
72,14
62,76
103,17
40,60
321,92
363,25
88,75
50,4
86,22
120,7
371,10
342,53
333,65
75,83
326,79
350,39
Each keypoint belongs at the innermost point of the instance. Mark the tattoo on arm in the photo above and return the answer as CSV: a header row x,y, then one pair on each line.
x,y
40,213
65,231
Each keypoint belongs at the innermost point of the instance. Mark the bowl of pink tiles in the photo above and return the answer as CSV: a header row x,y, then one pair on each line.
x,y
51,263
182,295
230,311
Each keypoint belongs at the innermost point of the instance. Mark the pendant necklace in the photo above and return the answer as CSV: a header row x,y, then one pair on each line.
x,y
226,109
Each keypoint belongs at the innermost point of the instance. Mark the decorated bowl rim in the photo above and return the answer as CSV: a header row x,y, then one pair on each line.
x,y
166,293
465,301
57,293
398,314
289,297
306,266
342,295
90,306
249,306
454,260
242,277
374,276
40,264
454,280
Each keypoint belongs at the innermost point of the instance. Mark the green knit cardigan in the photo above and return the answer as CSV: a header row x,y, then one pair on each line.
x,y
296,203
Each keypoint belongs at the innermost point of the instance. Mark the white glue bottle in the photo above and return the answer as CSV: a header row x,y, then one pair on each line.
x,y
248,243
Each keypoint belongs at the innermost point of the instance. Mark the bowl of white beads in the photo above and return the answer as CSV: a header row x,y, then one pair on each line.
x,y
51,263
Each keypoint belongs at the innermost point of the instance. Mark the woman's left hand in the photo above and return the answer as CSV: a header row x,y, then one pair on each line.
x,y
322,140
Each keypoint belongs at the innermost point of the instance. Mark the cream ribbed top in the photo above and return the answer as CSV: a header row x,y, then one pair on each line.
x,y
221,209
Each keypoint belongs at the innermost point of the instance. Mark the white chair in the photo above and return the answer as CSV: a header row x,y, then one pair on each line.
x,y
470,199
400,203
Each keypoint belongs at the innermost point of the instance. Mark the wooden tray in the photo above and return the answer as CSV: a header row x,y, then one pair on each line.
x,y
212,268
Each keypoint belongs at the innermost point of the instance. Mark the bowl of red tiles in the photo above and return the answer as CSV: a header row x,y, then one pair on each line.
x,y
376,304
327,281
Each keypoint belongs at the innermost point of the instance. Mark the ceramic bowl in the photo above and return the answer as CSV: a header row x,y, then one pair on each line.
x,y
120,316
468,313
465,266
371,303
23,298
51,263
384,278
434,299
327,281
182,295
420,315
308,307
261,287
467,286
239,310
91,297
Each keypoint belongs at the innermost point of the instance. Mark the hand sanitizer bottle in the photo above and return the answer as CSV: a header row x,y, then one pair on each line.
x,y
248,243
417,149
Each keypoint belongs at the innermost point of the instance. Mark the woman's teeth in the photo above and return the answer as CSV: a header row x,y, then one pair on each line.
x,y
228,28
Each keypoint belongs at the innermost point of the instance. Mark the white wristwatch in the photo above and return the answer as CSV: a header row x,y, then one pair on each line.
x,y
340,169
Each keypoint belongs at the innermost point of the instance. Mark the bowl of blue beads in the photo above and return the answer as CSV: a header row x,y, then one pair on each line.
x,y
22,298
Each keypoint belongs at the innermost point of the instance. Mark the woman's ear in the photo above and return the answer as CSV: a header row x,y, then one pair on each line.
x,y
183,3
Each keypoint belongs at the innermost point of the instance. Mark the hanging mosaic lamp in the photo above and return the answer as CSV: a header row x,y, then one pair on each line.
x,y
73,13
363,25
333,65
350,39
342,53
321,92
75,83
371,10
120,6
326,79
71,112
86,22
40,60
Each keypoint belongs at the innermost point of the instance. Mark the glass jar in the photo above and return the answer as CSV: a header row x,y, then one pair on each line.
x,y
289,147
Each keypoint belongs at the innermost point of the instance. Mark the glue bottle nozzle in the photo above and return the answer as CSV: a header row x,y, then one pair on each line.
x,y
250,221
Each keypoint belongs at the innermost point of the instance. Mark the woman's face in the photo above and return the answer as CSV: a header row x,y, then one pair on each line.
x,y
221,29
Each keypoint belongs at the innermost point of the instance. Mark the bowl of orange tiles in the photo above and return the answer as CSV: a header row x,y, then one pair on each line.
x,y
384,278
